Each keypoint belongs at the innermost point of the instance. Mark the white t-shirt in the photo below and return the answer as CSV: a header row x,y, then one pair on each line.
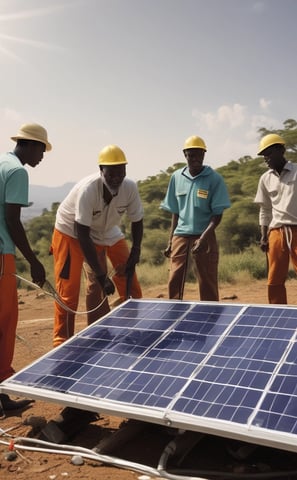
x,y
85,204
277,196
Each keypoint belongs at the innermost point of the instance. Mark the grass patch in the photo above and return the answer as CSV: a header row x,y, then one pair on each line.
x,y
250,263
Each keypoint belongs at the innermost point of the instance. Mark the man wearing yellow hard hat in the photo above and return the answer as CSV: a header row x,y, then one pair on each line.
x,y
31,143
87,228
277,198
196,197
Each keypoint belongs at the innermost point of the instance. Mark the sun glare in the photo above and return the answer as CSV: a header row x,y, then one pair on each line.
x,y
36,12
22,15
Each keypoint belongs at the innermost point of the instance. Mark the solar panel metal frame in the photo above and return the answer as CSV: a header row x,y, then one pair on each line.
x,y
171,415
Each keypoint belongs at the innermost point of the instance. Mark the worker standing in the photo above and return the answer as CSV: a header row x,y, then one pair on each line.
x,y
196,197
277,197
31,143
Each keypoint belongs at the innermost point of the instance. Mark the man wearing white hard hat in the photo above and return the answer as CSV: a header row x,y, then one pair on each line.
x,y
277,198
31,143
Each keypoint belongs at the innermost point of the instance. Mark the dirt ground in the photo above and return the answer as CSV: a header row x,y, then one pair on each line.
x,y
34,337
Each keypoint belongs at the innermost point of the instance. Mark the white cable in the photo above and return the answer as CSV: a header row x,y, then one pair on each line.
x,y
52,293
118,462
84,452
169,451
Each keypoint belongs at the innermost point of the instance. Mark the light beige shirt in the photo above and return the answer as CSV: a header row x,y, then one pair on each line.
x,y
277,197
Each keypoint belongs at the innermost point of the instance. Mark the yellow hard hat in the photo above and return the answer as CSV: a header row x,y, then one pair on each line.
x,y
112,155
268,140
194,142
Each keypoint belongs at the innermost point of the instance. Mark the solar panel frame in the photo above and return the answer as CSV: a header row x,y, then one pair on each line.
x,y
218,368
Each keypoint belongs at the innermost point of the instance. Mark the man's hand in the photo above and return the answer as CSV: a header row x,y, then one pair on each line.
x,y
167,251
38,273
132,260
106,284
200,246
264,244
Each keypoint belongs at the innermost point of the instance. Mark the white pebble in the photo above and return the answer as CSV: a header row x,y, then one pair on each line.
x,y
77,460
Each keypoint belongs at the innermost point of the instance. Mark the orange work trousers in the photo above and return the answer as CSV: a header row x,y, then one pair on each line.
x,y
118,255
68,264
282,246
8,314
205,263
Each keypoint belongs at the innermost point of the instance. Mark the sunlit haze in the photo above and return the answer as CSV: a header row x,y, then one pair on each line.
x,y
145,75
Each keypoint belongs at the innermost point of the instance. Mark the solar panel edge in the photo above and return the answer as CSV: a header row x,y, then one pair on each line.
x,y
252,434
168,415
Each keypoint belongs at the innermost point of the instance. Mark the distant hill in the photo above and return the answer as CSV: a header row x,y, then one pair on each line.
x,y
43,197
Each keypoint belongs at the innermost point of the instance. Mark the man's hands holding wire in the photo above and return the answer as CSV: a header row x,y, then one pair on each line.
x,y
106,284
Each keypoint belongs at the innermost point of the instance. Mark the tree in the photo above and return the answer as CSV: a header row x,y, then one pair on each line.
x,y
289,134
41,228
238,229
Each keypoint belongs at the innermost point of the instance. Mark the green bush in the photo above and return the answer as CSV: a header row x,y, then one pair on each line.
x,y
153,246
252,261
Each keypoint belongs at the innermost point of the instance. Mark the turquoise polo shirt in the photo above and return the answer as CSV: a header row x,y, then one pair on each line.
x,y
14,186
195,199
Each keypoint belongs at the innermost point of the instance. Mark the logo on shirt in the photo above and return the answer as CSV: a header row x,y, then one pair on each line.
x,y
202,193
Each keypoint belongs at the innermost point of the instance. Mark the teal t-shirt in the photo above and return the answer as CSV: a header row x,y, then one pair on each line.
x,y
14,186
195,199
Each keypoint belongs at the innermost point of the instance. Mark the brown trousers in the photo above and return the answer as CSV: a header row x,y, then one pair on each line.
x,y
205,263
282,247
8,314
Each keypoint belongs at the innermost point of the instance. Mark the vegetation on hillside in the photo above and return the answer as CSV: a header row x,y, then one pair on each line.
x,y
238,232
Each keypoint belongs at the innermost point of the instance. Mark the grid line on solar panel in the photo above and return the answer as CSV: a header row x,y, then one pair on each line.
x,y
278,410
156,386
127,340
212,383
233,363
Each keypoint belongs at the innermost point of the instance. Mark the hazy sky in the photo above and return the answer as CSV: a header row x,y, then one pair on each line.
x,y
145,74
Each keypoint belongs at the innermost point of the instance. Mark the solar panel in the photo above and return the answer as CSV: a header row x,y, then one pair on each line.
x,y
224,369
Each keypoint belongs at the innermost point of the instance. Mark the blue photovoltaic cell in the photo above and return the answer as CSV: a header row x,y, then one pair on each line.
x,y
142,353
231,383
233,363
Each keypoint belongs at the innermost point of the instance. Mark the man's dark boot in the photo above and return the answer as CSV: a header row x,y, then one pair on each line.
x,y
7,403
